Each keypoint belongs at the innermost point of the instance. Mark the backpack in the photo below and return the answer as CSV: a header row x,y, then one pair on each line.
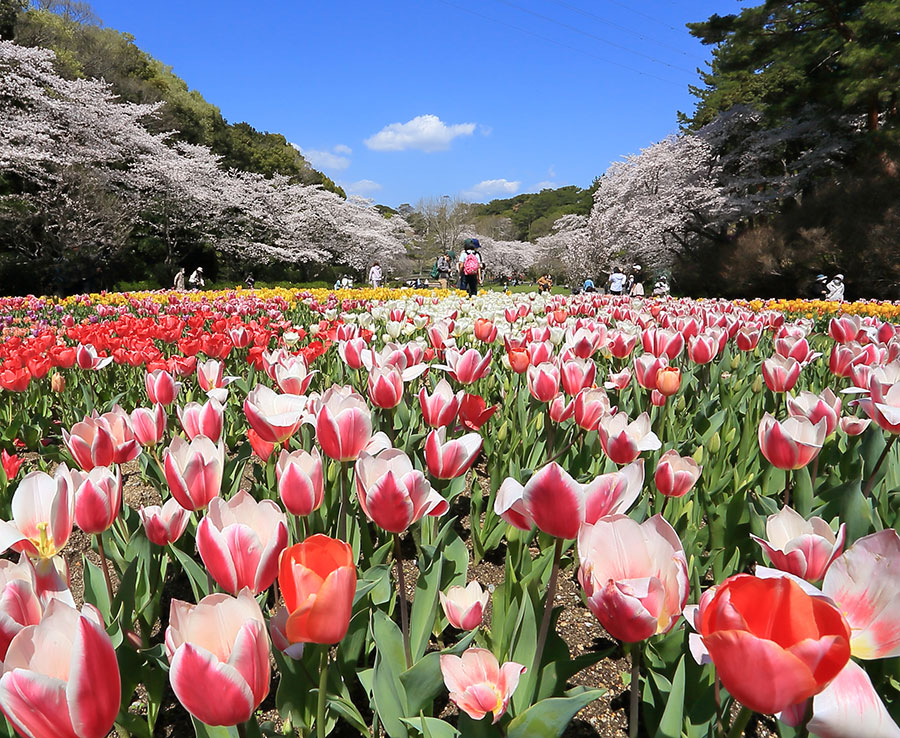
x,y
471,264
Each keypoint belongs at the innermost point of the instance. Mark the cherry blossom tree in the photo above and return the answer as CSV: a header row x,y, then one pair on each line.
x,y
566,248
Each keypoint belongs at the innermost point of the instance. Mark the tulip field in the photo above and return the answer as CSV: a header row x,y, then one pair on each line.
x,y
410,513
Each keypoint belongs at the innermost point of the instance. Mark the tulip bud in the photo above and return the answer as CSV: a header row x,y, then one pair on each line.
x,y
730,434
539,423
58,383
715,443
757,385
698,455
657,398
501,434
681,404
735,362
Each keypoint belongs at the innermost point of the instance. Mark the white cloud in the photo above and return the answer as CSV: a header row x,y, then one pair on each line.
x,y
492,188
362,187
327,159
545,185
426,133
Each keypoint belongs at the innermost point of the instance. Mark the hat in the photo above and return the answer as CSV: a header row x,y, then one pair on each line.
x,y
821,278
474,243
637,267
839,276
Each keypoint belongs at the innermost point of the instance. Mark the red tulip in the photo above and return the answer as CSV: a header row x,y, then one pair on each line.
x,y
790,444
240,541
219,657
450,459
519,361
301,483
11,464
474,413
773,645
15,380
635,576
318,580
392,494
61,677
165,524
440,408
803,548
194,471
676,475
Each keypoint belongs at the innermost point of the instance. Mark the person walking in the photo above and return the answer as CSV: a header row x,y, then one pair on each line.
x,y
178,284
637,286
588,285
820,287
443,270
375,275
470,266
836,289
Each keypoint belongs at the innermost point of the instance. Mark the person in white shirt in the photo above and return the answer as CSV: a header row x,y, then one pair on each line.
x,y
637,287
375,275
196,279
836,289
616,282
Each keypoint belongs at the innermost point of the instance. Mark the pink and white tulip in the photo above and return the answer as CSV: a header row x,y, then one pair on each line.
x,y
805,548
449,459
164,524
676,475
275,417
301,482
194,470
623,440
207,419
478,685
465,606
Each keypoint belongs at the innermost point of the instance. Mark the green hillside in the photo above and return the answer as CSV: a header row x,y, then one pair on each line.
x,y
533,214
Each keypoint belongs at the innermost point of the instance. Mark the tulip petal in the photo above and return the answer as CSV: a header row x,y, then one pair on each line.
x,y
213,692
94,688
850,706
36,704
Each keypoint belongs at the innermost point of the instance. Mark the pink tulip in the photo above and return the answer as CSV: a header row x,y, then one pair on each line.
x,y
792,443
102,440
620,344
465,606
301,483
293,377
20,604
863,582
61,677
635,576
86,357
478,684
676,475
591,406
392,494
161,387
385,387
202,420
343,423
815,407
468,367
543,381
850,706
240,541
845,328
576,374
854,426
351,352
98,499
646,367
795,347
613,493
803,548
148,424
703,348
559,409
240,336
440,408
540,352
211,375
585,342
194,471
164,524
618,380
883,403
747,338
663,343
624,441
219,657
274,417
450,459
844,357
780,373
43,511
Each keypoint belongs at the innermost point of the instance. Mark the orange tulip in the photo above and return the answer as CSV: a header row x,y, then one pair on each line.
x,y
318,580
668,380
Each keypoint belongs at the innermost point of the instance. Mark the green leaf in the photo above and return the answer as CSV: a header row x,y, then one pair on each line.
x,y
195,574
549,718
95,590
348,711
425,605
673,715
387,690
431,727
202,730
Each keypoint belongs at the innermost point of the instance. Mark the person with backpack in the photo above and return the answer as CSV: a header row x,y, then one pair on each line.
x,y
470,266
443,270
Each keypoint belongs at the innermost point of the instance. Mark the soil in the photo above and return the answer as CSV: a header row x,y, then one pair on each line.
x,y
603,718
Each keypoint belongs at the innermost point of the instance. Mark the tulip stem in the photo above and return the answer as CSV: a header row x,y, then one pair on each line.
x,y
241,730
871,482
548,612
323,694
104,566
342,514
787,488
404,615
634,707
740,723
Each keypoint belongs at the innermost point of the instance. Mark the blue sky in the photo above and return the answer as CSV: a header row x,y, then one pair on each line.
x,y
420,98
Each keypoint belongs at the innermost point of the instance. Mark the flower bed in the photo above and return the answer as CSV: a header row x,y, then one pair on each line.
x,y
710,485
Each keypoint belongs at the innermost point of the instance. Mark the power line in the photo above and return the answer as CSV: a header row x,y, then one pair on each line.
x,y
625,29
559,43
593,36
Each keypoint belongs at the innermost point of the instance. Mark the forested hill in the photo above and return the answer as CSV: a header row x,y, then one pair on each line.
x,y
85,48
533,214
